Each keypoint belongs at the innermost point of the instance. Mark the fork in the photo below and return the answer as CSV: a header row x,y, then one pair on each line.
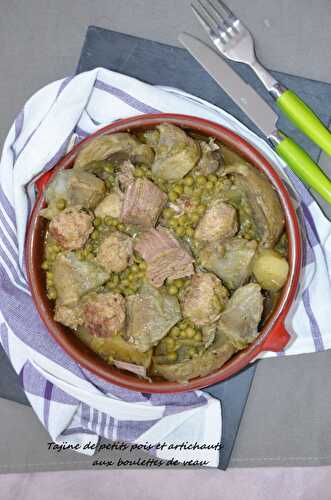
x,y
235,42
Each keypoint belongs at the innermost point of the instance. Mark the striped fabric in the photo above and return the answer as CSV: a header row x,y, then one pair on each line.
x,y
73,404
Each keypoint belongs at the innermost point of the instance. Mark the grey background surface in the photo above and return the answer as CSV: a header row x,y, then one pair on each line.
x,y
288,414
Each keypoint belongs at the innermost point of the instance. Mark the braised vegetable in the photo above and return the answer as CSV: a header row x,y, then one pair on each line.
x,y
165,252
270,270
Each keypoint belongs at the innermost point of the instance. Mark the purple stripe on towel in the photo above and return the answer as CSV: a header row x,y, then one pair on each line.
x,y
301,190
130,431
8,208
76,430
64,84
316,333
18,129
311,227
125,97
47,401
9,230
4,337
18,279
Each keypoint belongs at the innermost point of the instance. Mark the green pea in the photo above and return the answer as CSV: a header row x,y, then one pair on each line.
x,y
212,178
135,268
209,186
172,290
172,356
188,190
170,343
97,221
189,232
201,209
173,222
109,183
49,275
183,325
178,189
143,266
173,196
188,181
121,226
45,265
95,235
180,231
198,337
175,332
191,352
51,294
201,180
195,217
179,283
139,172
129,291
167,213
109,220
109,168
190,332
61,204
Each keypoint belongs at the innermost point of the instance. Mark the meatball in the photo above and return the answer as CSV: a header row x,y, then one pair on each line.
x,y
104,314
69,316
110,206
71,228
114,252
219,222
204,299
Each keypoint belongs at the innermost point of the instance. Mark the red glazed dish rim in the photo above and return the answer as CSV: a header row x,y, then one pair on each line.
x,y
273,336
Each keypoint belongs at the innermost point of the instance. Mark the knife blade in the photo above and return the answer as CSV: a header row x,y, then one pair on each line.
x,y
252,104
261,114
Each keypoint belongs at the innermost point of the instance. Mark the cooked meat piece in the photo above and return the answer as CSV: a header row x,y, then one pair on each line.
x,y
203,299
143,203
125,175
115,147
211,158
74,188
176,153
104,314
110,206
151,314
69,316
231,260
219,222
212,359
114,252
266,209
240,319
165,256
74,278
71,228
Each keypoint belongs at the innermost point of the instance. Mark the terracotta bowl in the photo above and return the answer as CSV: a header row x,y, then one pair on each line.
x,y
273,336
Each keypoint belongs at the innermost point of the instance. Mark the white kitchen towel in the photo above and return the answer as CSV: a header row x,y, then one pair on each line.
x,y
73,404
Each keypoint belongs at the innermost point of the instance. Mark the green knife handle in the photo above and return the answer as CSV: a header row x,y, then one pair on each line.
x,y
305,119
304,167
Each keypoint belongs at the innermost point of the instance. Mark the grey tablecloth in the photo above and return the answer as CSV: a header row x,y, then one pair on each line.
x,y
288,412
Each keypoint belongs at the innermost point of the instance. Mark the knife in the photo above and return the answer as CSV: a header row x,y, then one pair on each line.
x,y
260,113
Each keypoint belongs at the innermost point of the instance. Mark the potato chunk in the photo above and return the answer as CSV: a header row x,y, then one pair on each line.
x,y
270,270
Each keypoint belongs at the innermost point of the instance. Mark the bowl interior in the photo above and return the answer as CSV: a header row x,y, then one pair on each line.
x,y
77,349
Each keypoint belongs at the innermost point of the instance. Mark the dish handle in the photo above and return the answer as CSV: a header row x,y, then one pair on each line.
x,y
277,339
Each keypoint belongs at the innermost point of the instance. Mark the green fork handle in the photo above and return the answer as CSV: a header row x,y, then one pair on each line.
x,y
301,163
305,119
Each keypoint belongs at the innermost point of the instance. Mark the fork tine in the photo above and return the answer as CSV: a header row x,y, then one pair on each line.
x,y
227,11
210,27
219,18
